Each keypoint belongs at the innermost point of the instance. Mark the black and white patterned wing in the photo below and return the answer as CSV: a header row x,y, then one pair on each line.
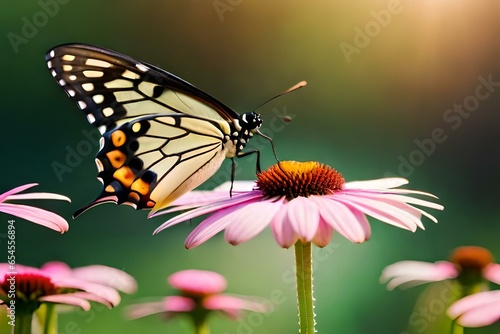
x,y
162,137
112,88
151,161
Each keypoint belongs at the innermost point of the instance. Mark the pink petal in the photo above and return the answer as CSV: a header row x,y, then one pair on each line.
x,y
404,199
390,191
36,215
378,210
20,269
67,299
492,273
199,198
412,273
210,227
410,200
236,200
57,269
178,304
198,281
303,216
238,186
144,309
348,222
385,183
110,294
232,305
16,190
363,223
323,234
250,220
351,189
38,196
284,234
400,211
406,210
195,199
477,310
6,271
107,276
92,297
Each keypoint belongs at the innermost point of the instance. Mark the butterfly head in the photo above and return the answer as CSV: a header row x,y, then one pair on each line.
x,y
250,121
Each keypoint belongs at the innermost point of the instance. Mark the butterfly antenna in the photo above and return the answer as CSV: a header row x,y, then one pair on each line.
x,y
286,119
289,90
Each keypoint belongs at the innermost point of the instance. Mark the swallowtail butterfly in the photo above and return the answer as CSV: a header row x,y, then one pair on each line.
x,y
161,136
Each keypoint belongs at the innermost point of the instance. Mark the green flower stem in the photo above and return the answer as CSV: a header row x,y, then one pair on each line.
x,y
456,328
24,317
202,328
50,325
199,318
303,263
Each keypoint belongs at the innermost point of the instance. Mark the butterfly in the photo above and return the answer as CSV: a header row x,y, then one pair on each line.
x,y
161,136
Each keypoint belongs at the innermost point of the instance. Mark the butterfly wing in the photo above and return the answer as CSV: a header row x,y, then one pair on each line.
x,y
161,137
151,161
112,88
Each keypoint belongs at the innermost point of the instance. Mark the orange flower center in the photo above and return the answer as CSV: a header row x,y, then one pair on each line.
x,y
471,257
470,261
293,179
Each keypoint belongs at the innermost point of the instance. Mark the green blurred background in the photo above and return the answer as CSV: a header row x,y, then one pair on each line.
x,y
370,97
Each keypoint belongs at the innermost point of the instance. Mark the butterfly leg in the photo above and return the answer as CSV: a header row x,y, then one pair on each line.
x,y
233,166
233,175
252,151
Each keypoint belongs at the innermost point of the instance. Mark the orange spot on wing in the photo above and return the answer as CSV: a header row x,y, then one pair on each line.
x,y
140,186
116,158
118,138
150,204
125,175
133,196
110,189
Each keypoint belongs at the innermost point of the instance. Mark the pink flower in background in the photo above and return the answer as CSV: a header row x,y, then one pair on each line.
x,y
200,292
99,274
33,214
304,201
478,310
59,285
470,265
